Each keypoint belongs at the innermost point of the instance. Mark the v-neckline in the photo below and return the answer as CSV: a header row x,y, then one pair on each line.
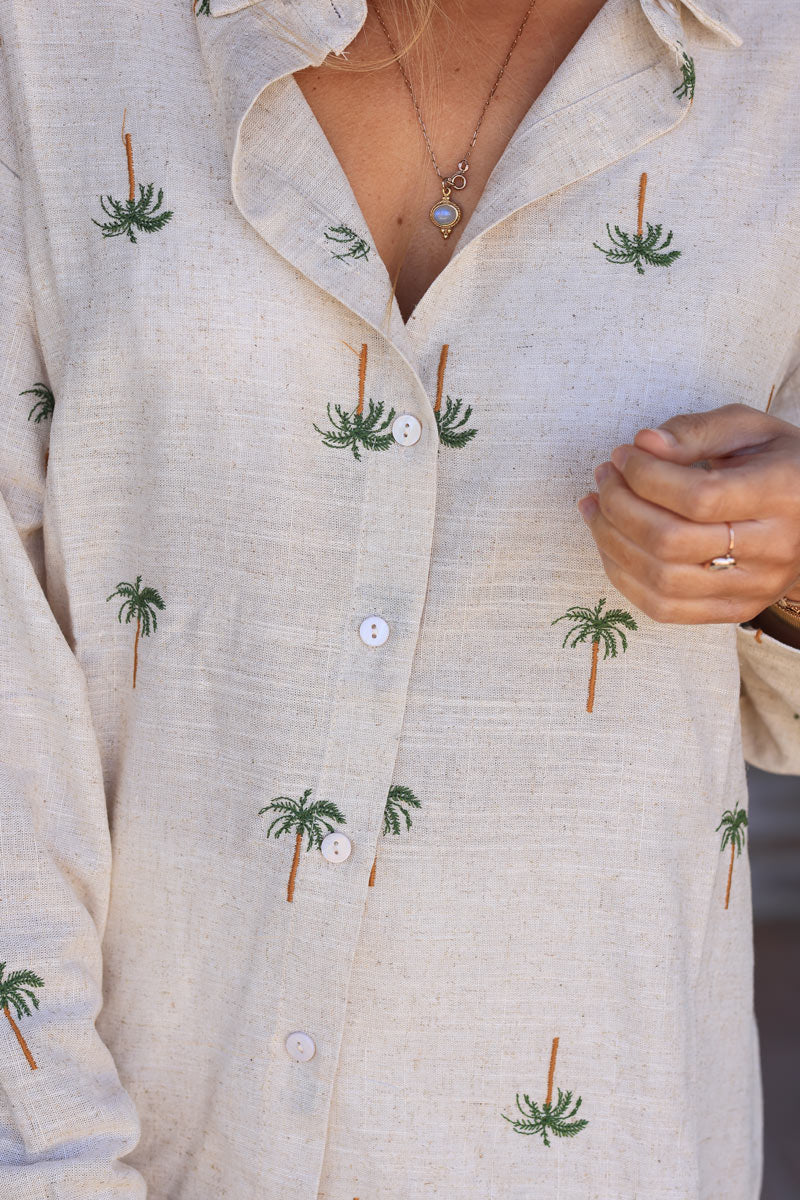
x,y
613,93
576,64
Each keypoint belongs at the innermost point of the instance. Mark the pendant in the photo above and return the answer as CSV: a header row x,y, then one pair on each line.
x,y
446,213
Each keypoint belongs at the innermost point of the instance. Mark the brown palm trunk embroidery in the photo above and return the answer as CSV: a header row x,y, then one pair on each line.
x,y
129,154
551,1072
298,841
136,649
20,1039
642,193
451,429
593,676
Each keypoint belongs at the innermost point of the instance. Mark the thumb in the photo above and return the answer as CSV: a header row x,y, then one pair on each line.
x,y
694,437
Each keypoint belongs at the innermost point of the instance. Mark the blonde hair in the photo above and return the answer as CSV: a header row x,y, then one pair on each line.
x,y
409,21
412,17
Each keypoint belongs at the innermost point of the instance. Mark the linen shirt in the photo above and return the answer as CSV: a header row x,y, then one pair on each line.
x,y
285,577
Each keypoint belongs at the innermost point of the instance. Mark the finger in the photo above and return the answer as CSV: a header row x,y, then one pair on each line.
x,y
693,437
687,581
757,488
674,538
676,610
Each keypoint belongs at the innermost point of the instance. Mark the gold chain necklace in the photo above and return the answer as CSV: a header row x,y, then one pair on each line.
x,y
445,213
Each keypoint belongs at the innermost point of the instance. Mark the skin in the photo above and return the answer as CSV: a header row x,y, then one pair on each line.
x,y
654,517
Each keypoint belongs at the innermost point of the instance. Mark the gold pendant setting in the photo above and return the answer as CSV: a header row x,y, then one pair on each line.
x,y
445,214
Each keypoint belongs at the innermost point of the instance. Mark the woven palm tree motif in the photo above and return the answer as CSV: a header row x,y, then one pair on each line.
x,y
451,423
139,602
130,214
556,1120
44,405
600,628
688,79
16,991
343,235
359,430
314,818
640,248
398,802
732,825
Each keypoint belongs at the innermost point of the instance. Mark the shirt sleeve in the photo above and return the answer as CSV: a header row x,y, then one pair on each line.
x,y
770,670
65,1119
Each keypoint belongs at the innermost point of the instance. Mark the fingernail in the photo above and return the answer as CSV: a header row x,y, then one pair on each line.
x,y
620,456
602,472
587,506
664,434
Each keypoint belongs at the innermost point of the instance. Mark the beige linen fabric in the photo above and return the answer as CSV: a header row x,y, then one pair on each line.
x,y
564,873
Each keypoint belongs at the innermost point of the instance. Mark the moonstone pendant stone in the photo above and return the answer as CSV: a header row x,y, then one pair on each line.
x,y
445,215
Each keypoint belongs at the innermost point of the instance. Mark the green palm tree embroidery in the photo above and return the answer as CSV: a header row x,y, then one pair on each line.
x,y
733,825
140,603
595,625
203,8
344,235
451,430
398,801
45,404
354,429
303,816
556,1119
16,989
132,214
686,87
640,248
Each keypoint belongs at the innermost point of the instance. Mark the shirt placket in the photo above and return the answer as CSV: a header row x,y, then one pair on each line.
x,y
379,632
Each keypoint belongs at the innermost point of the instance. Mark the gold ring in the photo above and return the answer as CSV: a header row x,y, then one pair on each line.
x,y
725,560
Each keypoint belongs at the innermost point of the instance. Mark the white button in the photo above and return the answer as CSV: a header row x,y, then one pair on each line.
x,y
406,429
300,1046
373,631
336,847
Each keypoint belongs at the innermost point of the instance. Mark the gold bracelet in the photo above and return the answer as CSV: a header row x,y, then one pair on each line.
x,y
787,610
792,606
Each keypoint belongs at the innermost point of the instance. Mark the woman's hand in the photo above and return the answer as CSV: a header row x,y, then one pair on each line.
x,y
656,519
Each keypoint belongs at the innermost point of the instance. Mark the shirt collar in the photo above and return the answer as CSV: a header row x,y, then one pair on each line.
x,y
666,19
248,44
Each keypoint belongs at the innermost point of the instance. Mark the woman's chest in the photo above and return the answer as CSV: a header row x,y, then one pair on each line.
x,y
459,96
